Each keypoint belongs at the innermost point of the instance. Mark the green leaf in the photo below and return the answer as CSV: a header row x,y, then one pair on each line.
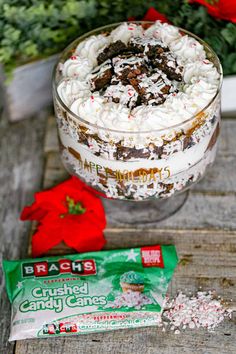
x,y
229,34
230,64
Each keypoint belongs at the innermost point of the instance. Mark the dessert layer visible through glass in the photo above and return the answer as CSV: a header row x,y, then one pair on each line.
x,y
138,119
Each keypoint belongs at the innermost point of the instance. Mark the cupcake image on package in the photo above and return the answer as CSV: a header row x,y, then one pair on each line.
x,y
132,281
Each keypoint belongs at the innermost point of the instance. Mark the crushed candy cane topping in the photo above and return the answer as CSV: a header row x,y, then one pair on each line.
x,y
203,310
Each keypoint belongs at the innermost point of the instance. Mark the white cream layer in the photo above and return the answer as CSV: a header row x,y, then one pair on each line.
x,y
175,163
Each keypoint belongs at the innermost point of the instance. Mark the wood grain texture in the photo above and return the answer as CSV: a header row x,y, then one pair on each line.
x,y
207,258
204,232
146,340
21,168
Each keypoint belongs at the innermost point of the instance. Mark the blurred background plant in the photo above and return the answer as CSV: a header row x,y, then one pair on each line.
x,y
32,29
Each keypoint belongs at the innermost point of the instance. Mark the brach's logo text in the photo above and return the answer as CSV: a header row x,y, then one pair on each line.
x,y
47,269
152,256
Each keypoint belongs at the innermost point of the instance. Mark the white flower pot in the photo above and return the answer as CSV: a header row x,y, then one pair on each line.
x,y
229,95
29,90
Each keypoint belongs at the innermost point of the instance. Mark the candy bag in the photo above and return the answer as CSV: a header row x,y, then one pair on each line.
x,y
90,292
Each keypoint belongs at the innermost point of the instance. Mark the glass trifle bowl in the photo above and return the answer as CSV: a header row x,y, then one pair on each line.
x,y
138,112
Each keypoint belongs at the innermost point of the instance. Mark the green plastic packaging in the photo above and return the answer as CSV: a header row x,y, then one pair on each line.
x,y
89,292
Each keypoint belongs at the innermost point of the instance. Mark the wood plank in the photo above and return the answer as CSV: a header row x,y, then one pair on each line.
x,y
207,258
21,167
54,170
188,240
146,340
227,137
219,213
51,137
221,177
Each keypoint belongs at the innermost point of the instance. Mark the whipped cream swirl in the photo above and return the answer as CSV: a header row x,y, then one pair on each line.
x,y
187,49
167,33
71,89
89,48
125,32
78,67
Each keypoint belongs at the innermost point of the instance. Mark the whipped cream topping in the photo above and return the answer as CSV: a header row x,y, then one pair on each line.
x,y
88,108
202,69
125,32
167,33
199,84
107,115
71,89
89,48
187,49
77,67
195,93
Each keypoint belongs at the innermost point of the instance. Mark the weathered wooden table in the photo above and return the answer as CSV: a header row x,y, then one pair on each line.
x,y
204,232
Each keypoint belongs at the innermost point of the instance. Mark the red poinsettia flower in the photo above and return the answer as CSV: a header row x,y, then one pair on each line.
x,y
69,212
222,9
154,15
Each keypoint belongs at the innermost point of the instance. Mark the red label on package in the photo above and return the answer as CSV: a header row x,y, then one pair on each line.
x,y
152,256
41,269
68,327
84,267
64,265
51,329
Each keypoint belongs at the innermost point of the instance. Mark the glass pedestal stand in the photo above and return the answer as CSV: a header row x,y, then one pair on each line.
x,y
143,212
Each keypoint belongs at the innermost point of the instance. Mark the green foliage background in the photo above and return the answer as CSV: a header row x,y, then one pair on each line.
x,y
32,29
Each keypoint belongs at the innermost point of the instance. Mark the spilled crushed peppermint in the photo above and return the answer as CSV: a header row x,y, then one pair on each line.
x,y
203,310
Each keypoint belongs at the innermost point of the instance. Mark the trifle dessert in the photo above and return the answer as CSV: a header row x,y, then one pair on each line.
x,y
138,109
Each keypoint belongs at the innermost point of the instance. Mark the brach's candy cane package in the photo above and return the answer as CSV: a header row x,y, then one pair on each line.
x,y
90,292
